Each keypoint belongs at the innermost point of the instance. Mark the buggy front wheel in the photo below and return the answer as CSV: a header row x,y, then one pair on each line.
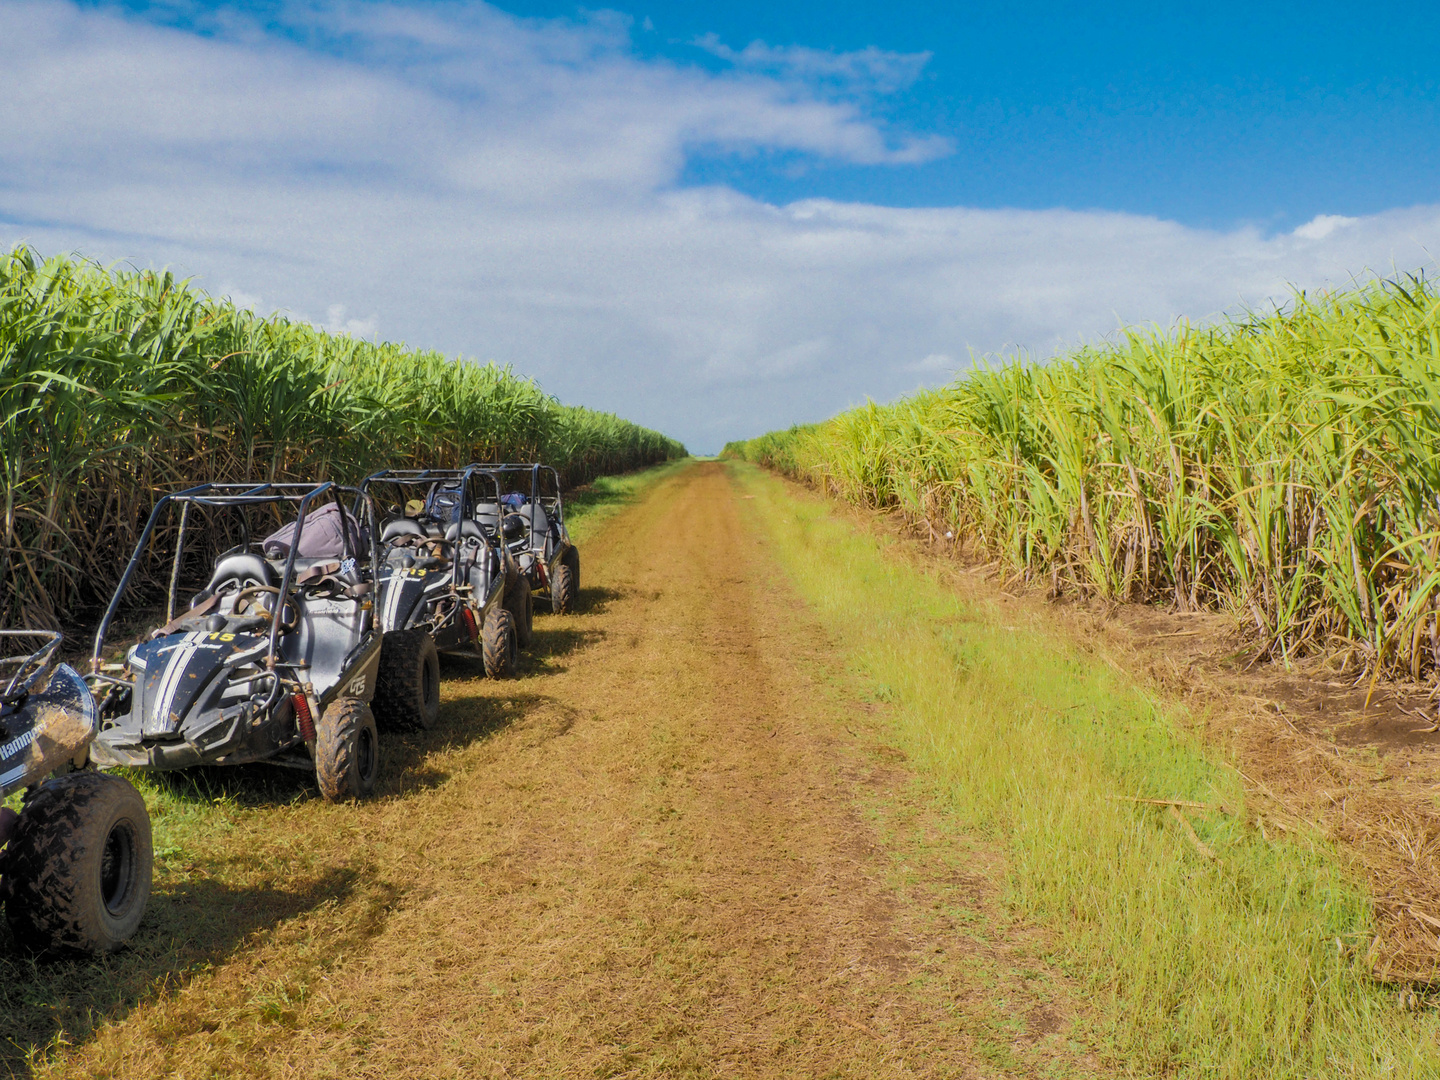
x,y
565,583
407,692
497,643
347,750
522,612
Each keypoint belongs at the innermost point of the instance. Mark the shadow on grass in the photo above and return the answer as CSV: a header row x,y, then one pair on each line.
x,y
189,926
247,786
596,599
409,757
555,637
403,761
414,762
556,640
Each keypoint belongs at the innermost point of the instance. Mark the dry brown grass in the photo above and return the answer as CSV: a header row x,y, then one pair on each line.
x,y
678,845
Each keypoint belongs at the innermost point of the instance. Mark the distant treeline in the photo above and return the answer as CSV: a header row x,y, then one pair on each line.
x,y
1284,467
118,385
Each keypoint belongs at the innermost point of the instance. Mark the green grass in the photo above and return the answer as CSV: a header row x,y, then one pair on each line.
x,y
1248,966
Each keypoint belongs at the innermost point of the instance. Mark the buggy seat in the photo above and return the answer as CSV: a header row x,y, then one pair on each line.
x,y
404,526
241,568
465,530
472,552
487,514
539,529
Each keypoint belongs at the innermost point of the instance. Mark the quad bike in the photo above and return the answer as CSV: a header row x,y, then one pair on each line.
x,y
533,522
447,584
77,859
275,658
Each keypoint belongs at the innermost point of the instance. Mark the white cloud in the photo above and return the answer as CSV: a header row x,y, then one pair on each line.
x,y
935,364
507,188
241,299
336,323
1322,225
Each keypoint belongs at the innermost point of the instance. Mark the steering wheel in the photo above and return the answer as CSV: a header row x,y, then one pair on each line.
x,y
249,593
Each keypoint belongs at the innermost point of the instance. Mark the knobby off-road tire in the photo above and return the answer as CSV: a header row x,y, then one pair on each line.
x,y
565,583
347,750
497,643
407,691
521,603
78,869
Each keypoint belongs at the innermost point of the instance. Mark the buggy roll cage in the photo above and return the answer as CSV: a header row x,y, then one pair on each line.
x,y
428,478
241,495
534,469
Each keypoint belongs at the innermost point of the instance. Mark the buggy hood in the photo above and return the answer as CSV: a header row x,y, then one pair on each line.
x,y
175,676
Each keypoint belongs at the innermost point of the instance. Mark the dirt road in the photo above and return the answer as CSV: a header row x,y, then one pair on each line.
x,y
677,845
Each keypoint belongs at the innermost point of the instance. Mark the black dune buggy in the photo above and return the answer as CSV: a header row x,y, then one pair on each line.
x,y
532,516
447,584
77,859
275,657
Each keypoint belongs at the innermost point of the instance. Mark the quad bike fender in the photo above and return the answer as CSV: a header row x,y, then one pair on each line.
x,y
49,728
556,558
360,673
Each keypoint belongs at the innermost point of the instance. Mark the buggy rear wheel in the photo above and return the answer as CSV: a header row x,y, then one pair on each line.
x,y
78,869
565,583
497,643
407,692
347,750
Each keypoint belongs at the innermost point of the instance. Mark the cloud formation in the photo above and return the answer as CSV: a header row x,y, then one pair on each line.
x,y
510,189
864,69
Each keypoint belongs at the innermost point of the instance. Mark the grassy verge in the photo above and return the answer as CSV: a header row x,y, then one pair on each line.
x,y
1249,963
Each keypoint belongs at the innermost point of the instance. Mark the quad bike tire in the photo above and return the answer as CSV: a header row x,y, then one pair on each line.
x,y
347,750
565,583
497,643
521,603
78,867
407,690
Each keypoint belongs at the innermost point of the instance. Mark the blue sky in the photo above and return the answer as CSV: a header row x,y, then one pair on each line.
x,y
723,219
1208,114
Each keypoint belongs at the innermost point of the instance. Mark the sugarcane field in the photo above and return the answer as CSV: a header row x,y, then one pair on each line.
x,y
864,542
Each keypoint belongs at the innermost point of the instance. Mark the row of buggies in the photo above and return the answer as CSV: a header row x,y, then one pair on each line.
x,y
315,627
